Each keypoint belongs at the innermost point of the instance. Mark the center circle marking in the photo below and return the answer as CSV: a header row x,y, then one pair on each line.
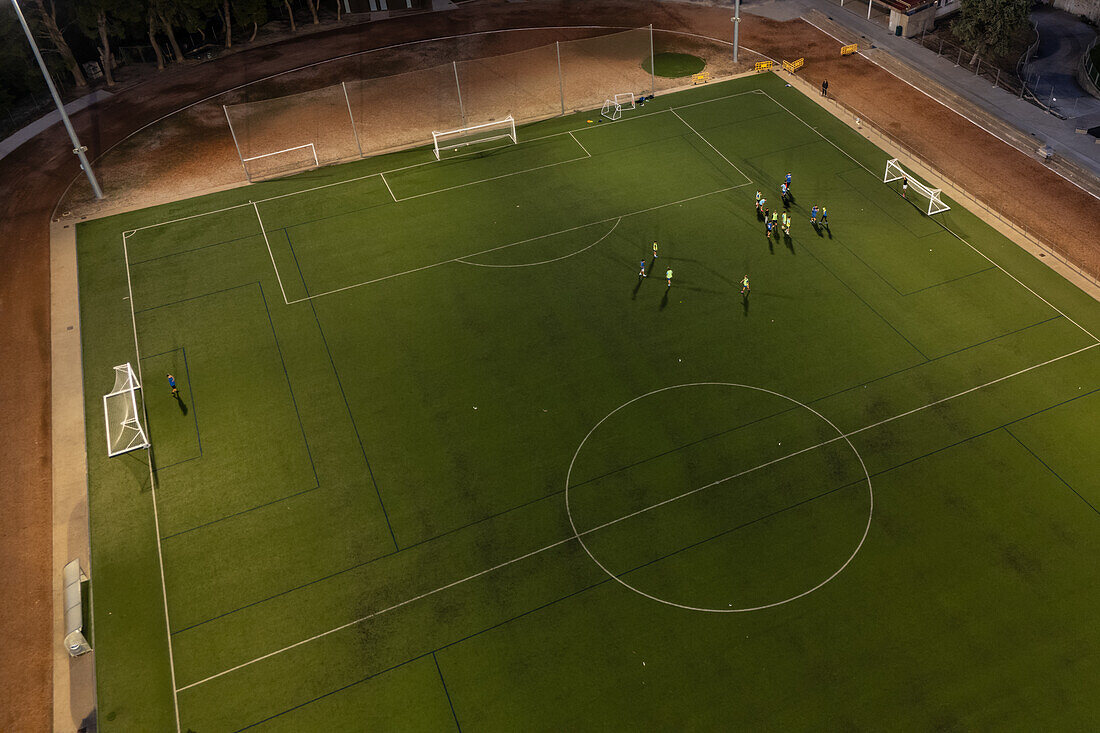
x,y
579,535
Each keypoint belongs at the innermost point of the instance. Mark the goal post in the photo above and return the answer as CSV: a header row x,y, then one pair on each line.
x,y
611,110
125,432
296,158
894,172
624,100
473,135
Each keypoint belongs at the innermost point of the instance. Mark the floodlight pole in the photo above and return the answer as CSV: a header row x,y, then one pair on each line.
x,y
652,63
77,147
737,25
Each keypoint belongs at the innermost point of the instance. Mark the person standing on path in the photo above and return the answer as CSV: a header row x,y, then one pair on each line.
x,y
825,88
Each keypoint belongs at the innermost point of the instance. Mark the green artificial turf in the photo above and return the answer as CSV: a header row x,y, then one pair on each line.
x,y
674,65
442,458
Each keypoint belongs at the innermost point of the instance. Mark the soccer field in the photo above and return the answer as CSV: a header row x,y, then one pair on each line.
x,y
442,458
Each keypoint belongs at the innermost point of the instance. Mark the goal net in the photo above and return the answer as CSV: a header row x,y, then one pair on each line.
x,y
452,140
611,110
120,410
894,172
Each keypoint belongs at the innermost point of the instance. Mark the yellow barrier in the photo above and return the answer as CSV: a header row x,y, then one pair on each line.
x,y
793,66
849,49
701,78
764,65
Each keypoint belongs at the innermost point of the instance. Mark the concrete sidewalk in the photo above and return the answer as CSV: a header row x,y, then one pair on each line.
x,y
1043,128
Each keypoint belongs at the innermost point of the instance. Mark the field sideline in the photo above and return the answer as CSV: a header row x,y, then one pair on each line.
x,y
442,458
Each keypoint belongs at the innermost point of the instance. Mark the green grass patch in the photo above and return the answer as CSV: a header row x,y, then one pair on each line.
x,y
674,65
444,457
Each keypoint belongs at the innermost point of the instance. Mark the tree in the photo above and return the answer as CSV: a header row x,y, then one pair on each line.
x,y
251,11
313,10
151,16
166,12
46,15
18,70
290,15
988,26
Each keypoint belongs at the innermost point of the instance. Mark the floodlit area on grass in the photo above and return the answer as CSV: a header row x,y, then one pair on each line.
x,y
443,457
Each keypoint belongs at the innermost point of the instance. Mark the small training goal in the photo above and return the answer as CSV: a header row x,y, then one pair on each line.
x,y
452,140
120,410
613,108
894,172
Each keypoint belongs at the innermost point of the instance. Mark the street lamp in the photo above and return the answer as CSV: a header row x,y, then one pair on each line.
x,y
78,149
737,24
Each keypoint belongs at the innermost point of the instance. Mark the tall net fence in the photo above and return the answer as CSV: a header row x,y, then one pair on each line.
x,y
596,69
401,111
369,116
525,84
276,136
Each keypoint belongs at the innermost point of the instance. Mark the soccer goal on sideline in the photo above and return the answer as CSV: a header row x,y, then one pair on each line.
x,y
452,140
125,432
895,172
291,160
613,108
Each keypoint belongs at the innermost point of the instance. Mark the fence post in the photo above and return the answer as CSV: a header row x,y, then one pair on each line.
x,y
561,79
351,118
960,58
940,51
652,63
461,107
997,80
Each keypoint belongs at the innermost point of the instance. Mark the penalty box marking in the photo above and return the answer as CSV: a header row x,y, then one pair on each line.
x,y
576,536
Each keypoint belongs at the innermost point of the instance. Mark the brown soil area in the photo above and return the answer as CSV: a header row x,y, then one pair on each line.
x,y
193,148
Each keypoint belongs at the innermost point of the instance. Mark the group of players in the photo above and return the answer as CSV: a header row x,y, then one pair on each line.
x,y
773,222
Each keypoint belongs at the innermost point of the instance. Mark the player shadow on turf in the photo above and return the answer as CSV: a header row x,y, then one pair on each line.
x,y
789,242
634,295
771,246
745,305
664,299
181,403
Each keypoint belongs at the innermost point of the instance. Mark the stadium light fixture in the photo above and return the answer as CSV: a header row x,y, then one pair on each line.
x,y
78,149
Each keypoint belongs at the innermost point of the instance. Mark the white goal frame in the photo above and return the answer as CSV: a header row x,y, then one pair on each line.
x,y
625,100
126,384
895,172
611,110
473,134
312,149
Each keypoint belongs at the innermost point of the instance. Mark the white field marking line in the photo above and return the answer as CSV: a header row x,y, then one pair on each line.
x,y
152,487
546,262
945,104
383,177
511,244
708,142
947,228
578,142
586,156
192,216
357,179
605,525
269,252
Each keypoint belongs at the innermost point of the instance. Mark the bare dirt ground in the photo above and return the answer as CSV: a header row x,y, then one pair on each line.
x,y
193,148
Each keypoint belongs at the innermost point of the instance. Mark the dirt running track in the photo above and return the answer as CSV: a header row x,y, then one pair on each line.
x,y
36,176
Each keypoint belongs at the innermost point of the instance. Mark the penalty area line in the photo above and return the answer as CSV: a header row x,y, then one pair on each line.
x,y
470,255
578,535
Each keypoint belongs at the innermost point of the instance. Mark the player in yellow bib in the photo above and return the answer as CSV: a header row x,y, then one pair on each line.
x,y
668,276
